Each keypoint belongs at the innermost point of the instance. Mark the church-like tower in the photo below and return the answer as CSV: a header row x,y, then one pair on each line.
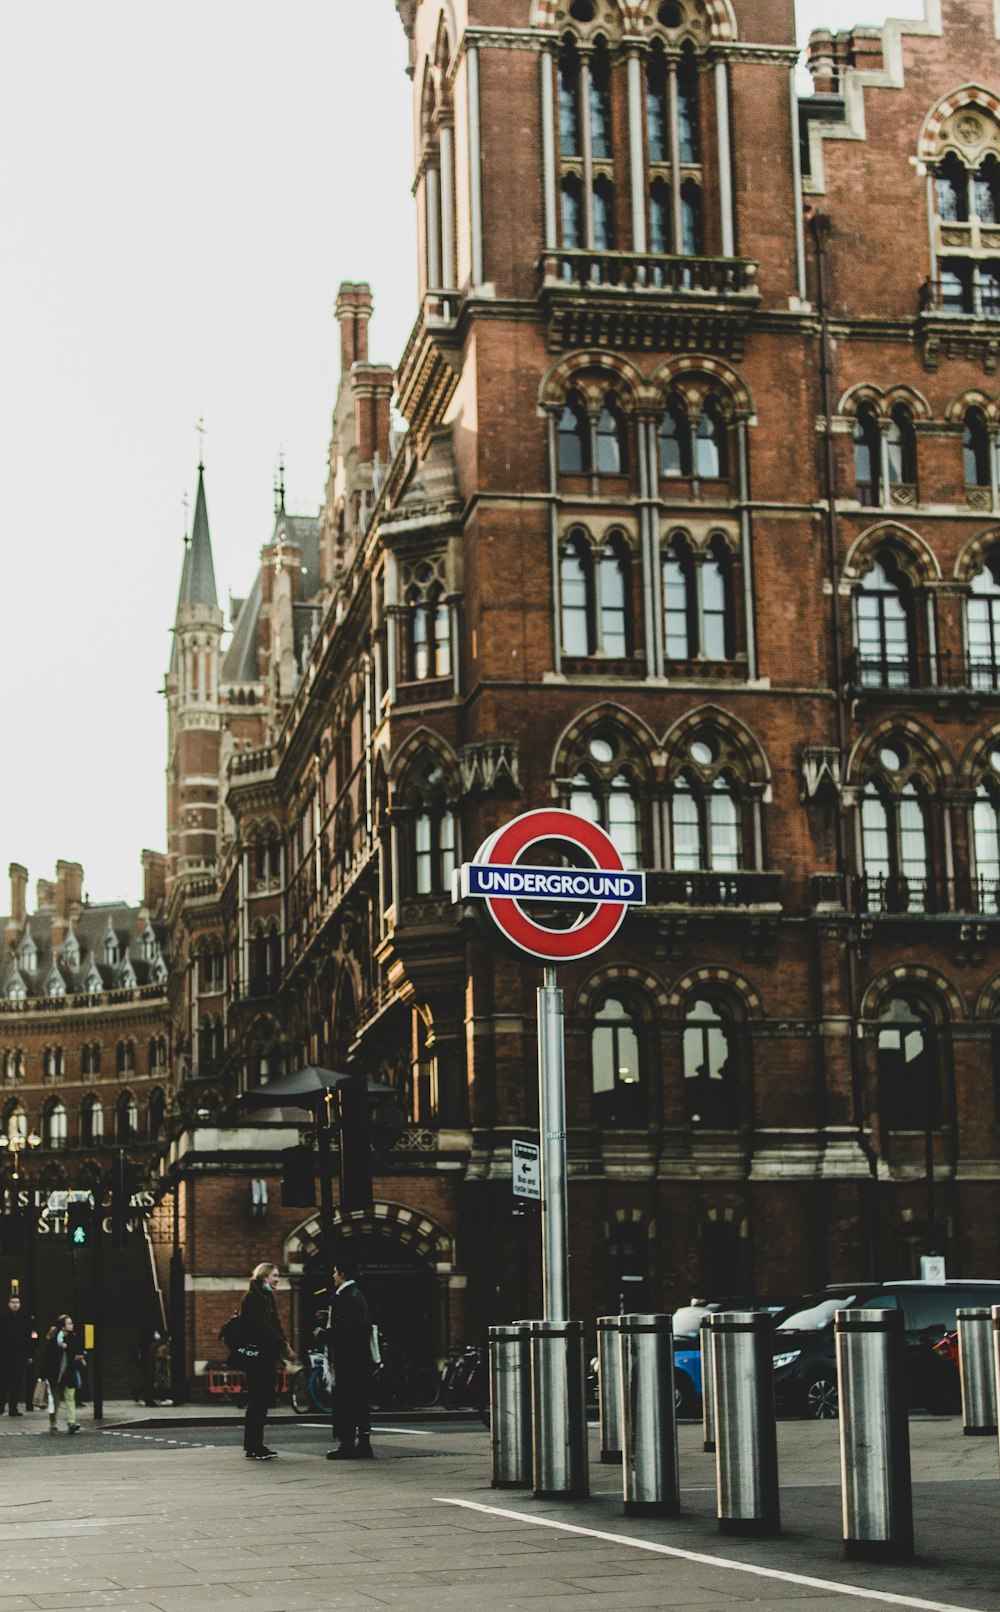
x,y
193,707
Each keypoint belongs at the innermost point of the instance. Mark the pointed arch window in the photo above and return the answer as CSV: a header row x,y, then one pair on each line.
x,y
157,1116
54,1128
986,192
604,215
428,629
986,846
616,1064
661,222
883,630
951,188
908,1067
706,823
657,108
613,806
612,455
126,1119
92,1121
867,455
570,143
688,112
600,105
675,440
577,598
433,842
90,1059
697,602
574,437
901,448
975,450
711,1076
692,232
614,600
679,601
982,618
895,841
711,448
571,197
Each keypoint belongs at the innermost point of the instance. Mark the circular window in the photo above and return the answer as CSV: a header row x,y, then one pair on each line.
x,y
602,751
995,760
582,10
890,758
670,14
702,753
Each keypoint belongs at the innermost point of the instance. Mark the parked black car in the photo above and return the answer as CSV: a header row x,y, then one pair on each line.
x,y
805,1366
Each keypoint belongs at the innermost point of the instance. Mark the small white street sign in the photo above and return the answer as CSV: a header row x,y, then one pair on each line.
x,y
525,1170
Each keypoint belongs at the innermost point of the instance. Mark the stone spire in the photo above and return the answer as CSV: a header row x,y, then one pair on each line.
x,y
198,579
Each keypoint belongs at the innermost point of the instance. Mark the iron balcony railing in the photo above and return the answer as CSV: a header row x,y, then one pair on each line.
x,y
898,894
961,297
922,670
700,888
651,272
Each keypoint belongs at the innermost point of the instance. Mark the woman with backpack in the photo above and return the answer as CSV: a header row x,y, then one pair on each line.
x,y
262,1345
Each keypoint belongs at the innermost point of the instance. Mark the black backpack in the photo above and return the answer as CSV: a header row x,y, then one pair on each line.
x,y
241,1351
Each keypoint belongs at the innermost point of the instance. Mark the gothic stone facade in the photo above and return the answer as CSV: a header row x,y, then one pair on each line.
x,y
693,529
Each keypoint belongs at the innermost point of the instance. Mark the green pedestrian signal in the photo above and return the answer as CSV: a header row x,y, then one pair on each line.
x,y
79,1222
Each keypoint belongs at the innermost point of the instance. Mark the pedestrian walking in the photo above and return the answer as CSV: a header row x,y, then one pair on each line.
x,y
350,1348
62,1359
261,1329
15,1353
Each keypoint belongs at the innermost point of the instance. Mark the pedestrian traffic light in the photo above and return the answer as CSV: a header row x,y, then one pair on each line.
x,y
79,1223
355,1148
298,1178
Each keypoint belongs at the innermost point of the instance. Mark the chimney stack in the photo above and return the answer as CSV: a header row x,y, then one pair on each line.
x,y
154,880
353,311
371,385
18,892
69,894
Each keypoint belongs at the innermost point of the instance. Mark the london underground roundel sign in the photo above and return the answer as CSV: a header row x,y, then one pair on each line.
x,y
498,875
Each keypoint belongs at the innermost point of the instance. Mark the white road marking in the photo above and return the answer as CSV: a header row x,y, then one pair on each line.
x,y
830,1586
405,1432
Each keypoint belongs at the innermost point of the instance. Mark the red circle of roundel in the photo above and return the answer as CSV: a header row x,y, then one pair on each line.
x,y
553,945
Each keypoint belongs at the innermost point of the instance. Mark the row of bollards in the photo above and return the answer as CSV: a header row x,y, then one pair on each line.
x,y
539,1428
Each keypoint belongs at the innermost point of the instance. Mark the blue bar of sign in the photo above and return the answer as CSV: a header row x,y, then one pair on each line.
x,y
591,885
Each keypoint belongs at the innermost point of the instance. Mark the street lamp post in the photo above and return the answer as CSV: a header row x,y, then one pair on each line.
x,y
15,1141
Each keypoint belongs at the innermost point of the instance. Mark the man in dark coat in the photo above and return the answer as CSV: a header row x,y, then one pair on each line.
x,y
350,1346
263,1331
15,1353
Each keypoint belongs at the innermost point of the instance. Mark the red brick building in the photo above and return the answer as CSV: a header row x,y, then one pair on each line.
x,y
693,529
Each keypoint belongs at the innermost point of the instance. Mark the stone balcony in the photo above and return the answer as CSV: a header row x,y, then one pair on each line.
x,y
629,300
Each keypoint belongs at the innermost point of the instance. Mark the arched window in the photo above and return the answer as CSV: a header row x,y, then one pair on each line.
x,y
612,458
712,461
90,1059
615,623
895,835
574,437
577,597
583,799
126,1119
692,236
951,188
126,1057
572,213
604,791
54,1131
680,625
908,1067
157,1116
867,455
688,133
982,622
711,1076
882,627
600,105
706,825
623,824
428,628
434,835
661,222
617,1084
604,215
986,192
92,1121
570,144
976,450
657,108
157,1054
675,440
901,448
986,846
715,613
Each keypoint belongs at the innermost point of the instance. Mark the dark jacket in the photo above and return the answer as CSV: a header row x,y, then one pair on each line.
x,y
61,1361
259,1315
15,1337
350,1333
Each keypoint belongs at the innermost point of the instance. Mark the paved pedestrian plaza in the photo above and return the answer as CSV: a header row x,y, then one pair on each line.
x,y
163,1516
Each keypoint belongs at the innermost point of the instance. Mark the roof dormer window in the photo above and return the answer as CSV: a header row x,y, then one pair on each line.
x,y
110,945
147,941
71,951
27,954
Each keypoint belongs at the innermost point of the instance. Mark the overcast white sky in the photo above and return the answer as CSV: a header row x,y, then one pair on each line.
x,y
183,188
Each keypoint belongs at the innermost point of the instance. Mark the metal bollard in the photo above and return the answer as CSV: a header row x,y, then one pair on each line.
x,y
874,1435
707,1388
746,1452
609,1384
510,1407
558,1410
650,1477
975,1365
996,1352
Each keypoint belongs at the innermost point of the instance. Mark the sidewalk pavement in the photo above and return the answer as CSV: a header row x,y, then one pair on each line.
x,y
139,1525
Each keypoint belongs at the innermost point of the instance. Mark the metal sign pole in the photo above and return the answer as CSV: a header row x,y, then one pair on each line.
x,y
552,1117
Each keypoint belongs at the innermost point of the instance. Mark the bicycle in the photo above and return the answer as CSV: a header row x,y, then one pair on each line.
x,y
312,1388
398,1384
